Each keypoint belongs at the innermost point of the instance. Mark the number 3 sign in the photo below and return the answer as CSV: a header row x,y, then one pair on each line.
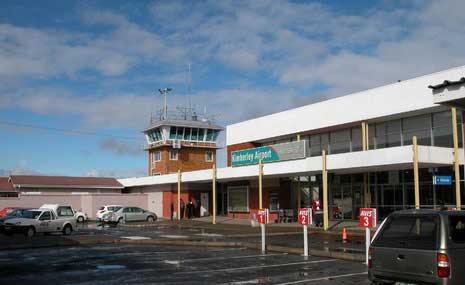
x,y
367,217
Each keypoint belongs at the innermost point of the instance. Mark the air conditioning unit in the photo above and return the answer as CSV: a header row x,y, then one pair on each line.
x,y
176,144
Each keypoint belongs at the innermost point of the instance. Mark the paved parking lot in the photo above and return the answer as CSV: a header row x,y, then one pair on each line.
x,y
120,264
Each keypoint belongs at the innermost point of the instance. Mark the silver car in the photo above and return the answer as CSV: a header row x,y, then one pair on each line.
x,y
419,246
130,214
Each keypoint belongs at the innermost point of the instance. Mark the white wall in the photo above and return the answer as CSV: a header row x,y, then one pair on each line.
x,y
403,97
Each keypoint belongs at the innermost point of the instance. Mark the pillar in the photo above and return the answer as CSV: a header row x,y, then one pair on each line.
x,y
214,194
325,191
458,201
179,194
415,173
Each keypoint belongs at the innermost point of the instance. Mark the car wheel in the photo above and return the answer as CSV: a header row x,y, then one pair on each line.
x,y
121,221
30,232
80,219
150,219
67,230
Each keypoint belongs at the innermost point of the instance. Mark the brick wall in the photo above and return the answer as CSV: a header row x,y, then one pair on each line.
x,y
189,159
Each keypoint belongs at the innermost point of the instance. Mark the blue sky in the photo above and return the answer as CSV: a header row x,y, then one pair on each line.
x,y
93,67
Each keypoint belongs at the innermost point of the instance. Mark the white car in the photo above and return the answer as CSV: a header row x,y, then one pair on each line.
x,y
65,211
105,210
39,221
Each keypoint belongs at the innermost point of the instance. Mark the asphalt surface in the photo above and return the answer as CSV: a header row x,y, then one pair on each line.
x,y
283,238
135,264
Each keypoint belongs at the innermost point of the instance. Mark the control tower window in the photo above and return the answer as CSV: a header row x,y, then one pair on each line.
x,y
174,154
209,156
156,156
195,134
172,133
180,133
209,135
187,134
201,134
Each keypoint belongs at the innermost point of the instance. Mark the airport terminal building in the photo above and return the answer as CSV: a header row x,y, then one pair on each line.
x,y
370,157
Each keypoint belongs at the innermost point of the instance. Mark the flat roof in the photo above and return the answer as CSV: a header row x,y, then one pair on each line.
x,y
403,97
40,181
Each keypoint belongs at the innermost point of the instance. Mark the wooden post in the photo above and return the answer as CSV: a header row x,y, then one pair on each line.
x,y
325,191
214,194
179,194
260,184
415,172
458,201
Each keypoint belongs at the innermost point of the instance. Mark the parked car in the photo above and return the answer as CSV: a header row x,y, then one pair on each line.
x,y
7,210
419,246
104,210
130,214
13,214
39,221
65,211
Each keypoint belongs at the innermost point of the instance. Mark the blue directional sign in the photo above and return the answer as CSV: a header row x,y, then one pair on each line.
x,y
442,180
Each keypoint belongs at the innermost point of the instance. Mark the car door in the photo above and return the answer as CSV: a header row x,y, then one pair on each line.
x,y
138,214
127,214
45,222
406,247
56,223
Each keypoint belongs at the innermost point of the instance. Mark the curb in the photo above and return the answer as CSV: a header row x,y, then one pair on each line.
x,y
249,245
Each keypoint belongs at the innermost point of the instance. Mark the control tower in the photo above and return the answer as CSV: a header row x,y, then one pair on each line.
x,y
180,140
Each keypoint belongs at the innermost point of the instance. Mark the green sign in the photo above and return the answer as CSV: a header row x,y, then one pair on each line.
x,y
278,152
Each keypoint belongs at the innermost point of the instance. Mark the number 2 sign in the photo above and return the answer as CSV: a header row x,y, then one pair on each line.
x,y
367,217
305,217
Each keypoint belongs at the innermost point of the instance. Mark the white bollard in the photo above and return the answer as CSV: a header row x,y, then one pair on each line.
x,y
367,242
263,239
305,241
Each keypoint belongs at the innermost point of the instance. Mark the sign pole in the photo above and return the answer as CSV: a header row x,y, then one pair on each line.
x,y
305,240
262,226
367,243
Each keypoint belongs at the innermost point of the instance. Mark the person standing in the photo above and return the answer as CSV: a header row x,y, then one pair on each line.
x,y
172,210
190,209
182,209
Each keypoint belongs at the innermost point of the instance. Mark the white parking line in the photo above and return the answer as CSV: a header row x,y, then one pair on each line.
x,y
222,258
256,267
325,278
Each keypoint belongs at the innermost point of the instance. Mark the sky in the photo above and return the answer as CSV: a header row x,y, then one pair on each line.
x,y
79,79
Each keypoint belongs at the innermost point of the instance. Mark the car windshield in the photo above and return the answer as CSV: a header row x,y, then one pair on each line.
x,y
457,228
31,214
114,209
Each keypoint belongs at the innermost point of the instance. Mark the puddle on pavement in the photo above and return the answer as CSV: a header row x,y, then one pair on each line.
x,y
136,238
209,235
110,267
173,236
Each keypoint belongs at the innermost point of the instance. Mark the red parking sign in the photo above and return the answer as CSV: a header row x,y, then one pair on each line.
x,y
305,216
262,216
367,217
